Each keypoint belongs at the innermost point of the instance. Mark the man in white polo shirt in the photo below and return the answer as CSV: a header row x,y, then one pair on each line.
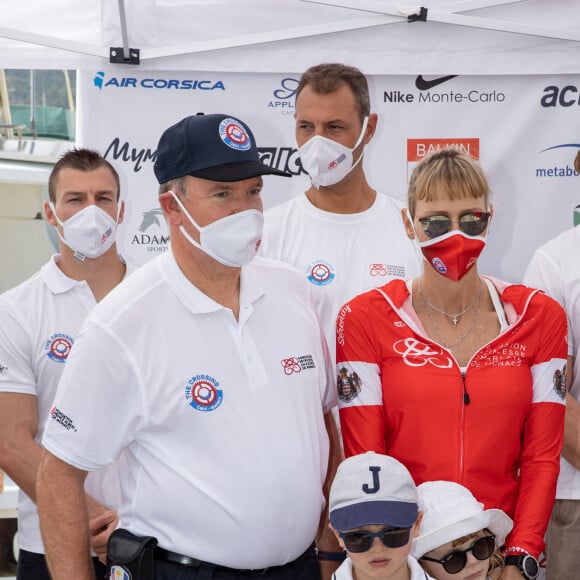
x,y
555,268
39,321
343,235
209,371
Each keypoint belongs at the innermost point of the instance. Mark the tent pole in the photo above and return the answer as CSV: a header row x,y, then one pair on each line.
x,y
123,20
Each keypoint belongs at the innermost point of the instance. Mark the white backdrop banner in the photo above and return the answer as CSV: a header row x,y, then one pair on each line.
x,y
525,130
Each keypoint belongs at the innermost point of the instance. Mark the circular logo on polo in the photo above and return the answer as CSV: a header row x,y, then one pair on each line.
x,y
320,273
58,347
439,265
234,135
202,393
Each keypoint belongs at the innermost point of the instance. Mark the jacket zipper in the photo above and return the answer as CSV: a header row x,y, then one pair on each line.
x,y
466,397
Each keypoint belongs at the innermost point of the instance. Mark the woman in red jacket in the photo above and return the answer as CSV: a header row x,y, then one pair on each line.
x,y
459,376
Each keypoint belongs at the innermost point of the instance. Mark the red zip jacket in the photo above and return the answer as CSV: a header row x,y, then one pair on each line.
x,y
497,428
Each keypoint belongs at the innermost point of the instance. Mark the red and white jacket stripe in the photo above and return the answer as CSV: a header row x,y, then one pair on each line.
x,y
496,428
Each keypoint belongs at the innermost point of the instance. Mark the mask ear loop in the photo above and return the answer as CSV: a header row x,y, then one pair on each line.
x,y
59,223
358,142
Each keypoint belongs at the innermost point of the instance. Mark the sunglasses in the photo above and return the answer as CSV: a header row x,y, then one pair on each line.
x,y
362,541
455,561
472,223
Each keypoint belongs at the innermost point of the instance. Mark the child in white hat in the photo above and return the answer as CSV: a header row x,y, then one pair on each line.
x,y
374,513
459,539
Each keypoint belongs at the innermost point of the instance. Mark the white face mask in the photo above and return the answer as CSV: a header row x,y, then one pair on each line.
x,y
89,232
328,162
232,240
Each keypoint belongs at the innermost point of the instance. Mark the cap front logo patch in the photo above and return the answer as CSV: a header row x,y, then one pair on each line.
x,y
234,135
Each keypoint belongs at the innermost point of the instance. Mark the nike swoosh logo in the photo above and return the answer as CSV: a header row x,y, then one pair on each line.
x,y
424,85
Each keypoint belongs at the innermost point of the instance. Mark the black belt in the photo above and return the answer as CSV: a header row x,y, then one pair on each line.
x,y
175,558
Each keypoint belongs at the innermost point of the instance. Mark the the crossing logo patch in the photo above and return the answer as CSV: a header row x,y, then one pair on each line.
x,y
58,347
234,135
202,392
320,273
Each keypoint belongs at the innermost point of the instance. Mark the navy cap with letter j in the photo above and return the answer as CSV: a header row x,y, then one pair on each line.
x,y
215,147
372,489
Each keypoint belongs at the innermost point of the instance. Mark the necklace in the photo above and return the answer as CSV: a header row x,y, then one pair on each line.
x,y
471,326
454,317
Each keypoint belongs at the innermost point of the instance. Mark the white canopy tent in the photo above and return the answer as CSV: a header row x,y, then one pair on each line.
x,y
458,36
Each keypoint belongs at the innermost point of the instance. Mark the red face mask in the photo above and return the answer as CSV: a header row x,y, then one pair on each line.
x,y
453,254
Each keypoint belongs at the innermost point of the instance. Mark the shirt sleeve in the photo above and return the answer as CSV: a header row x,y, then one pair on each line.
x,y
98,406
358,381
543,431
16,352
544,272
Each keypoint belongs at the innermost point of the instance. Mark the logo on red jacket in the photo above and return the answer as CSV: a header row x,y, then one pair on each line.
x,y
418,354
58,347
348,385
559,381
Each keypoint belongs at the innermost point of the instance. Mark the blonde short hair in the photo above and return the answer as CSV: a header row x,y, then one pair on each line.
x,y
450,171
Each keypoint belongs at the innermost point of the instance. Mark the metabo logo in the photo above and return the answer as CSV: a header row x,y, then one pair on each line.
x,y
558,167
426,93
101,81
554,96
284,96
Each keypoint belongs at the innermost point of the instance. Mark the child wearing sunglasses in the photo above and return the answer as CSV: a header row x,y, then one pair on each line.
x,y
459,539
374,514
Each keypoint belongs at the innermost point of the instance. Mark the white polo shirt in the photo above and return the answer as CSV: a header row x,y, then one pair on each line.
x,y
39,320
222,420
555,268
341,255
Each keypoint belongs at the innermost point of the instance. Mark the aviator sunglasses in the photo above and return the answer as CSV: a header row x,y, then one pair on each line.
x,y
357,542
472,223
455,561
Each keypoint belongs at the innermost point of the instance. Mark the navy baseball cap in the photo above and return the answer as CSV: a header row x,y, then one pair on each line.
x,y
216,147
370,489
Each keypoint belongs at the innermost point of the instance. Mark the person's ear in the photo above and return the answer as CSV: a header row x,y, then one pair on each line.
x,y
121,212
371,128
416,529
170,208
408,224
339,539
49,215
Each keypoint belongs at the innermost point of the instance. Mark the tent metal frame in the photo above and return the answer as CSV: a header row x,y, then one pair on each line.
x,y
381,14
